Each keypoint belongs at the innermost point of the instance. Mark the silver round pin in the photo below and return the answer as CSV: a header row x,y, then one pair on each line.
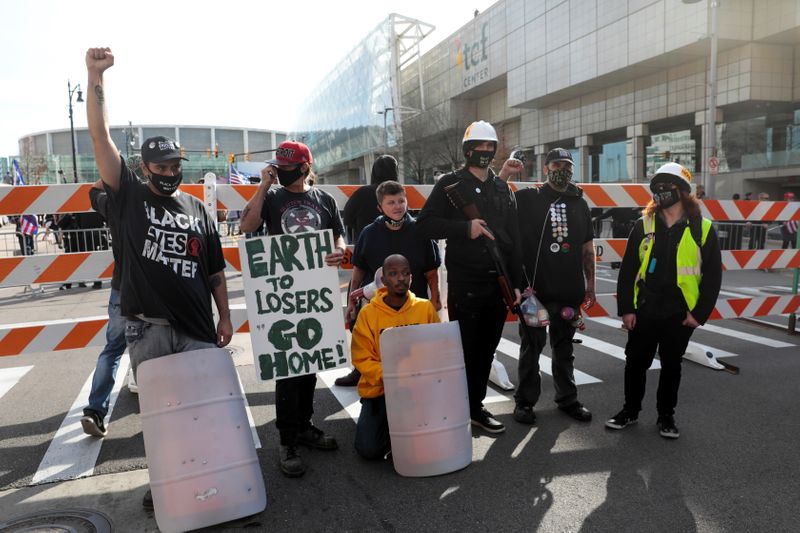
x,y
554,247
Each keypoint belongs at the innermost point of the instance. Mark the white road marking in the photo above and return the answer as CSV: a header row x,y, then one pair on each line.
x,y
347,396
511,349
73,454
758,339
718,352
10,377
250,420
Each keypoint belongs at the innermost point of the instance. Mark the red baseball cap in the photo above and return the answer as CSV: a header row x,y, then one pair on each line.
x,y
291,153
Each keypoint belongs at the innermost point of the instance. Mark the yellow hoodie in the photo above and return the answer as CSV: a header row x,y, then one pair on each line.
x,y
375,317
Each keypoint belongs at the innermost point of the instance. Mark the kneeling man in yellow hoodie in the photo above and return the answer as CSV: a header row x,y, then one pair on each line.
x,y
393,305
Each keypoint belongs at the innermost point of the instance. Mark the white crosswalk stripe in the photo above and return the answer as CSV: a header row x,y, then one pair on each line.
x,y
758,339
10,377
511,349
72,453
718,352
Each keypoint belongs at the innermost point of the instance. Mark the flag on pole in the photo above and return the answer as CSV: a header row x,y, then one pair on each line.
x,y
237,178
19,179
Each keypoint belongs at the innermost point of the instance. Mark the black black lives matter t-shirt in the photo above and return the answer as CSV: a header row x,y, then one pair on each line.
x,y
298,212
170,248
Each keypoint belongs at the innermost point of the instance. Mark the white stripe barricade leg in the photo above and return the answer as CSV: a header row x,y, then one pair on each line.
x,y
203,465
426,399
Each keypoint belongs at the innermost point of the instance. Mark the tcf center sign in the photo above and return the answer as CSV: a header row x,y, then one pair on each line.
x,y
473,58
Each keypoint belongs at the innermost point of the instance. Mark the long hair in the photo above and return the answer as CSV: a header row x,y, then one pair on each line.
x,y
691,206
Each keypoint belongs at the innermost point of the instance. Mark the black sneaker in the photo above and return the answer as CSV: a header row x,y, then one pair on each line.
x,y
524,414
292,464
147,501
92,423
667,427
314,437
350,380
621,420
484,419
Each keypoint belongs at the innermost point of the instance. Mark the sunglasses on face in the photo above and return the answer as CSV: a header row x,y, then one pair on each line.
x,y
663,187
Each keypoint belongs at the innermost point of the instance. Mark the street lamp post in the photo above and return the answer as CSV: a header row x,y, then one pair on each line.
x,y
397,112
385,131
710,176
711,142
72,90
130,140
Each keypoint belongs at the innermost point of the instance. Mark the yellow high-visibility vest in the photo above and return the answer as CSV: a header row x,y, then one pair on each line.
x,y
688,261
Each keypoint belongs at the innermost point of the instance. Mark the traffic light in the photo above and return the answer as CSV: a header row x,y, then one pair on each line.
x,y
231,158
183,152
208,153
247,156
216,151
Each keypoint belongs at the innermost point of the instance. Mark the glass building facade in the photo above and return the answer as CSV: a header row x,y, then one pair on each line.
x,y
624,85
356,111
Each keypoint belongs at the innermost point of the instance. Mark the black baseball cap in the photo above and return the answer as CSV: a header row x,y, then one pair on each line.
x,y
558,154
160,149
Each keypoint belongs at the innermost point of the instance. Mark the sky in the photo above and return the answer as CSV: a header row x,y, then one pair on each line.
x,y
221,63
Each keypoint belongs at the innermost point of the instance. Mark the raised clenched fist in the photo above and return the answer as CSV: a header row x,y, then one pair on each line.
x,y
99,59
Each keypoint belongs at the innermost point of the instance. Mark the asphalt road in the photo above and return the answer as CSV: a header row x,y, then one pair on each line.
x,y
735,467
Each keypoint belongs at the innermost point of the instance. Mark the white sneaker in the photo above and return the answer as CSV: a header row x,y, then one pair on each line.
x,y
132,386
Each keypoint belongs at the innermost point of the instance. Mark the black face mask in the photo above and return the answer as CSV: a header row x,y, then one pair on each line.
x,y
480,158
166,184
667,198
287,177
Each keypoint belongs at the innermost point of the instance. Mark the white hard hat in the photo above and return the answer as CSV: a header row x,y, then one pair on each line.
x,y
673,173
480,131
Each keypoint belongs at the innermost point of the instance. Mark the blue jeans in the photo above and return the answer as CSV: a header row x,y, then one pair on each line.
x,y
108,361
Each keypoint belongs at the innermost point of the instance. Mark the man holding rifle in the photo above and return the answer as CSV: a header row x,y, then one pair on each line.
x,y
560,267
483,256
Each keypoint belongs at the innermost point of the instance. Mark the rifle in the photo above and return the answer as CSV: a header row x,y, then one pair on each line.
x,y
471,211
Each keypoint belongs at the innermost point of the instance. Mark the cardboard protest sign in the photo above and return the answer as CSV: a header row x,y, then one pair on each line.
x,y
293,304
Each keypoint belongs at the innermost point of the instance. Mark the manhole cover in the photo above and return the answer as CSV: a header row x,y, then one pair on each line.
x,y
60,521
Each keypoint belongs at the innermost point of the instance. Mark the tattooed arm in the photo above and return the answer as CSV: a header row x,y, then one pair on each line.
x,y
219,289
588,272
106,154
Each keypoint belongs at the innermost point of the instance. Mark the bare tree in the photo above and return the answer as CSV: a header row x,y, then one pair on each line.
x,y
417,161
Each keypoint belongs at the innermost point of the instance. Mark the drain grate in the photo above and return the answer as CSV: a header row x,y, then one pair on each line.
x,y
60,521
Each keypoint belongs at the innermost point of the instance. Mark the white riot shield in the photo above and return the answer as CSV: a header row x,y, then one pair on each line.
x,y
426,399
203,464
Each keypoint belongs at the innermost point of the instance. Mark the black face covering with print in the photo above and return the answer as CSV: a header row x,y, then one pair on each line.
x,y
166,184
665,196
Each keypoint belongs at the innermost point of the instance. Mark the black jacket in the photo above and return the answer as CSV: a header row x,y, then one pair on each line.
x,y
468,260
